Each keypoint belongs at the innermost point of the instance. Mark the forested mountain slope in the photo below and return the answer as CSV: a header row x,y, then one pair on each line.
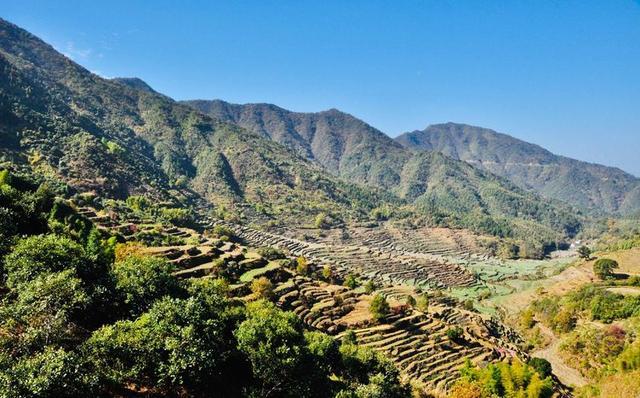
x,y
108,136
119,137
583,184
350,148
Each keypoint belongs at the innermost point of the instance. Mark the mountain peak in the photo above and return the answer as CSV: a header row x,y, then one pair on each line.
x,y
136,83
530,166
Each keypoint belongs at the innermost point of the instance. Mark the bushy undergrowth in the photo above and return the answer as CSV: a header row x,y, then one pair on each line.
x,y
76,322
510,380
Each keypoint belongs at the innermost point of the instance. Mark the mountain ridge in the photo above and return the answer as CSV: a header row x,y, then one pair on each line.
x,y
109,137
357,152
588,185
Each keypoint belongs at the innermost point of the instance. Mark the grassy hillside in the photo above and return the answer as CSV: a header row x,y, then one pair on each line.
x,y
591,186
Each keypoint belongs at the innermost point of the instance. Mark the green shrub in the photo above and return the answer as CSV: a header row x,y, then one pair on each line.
x,y
604,267
143,280
542,366
271,253
351,282
423,302
369,287
379,307
455,333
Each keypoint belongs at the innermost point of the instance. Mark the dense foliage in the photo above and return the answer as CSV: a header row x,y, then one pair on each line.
x,y
510,380
75,322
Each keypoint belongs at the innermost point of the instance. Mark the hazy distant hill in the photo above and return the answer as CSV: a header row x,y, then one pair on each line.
x,y
579,183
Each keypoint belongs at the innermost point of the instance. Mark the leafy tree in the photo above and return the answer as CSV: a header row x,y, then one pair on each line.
x,y
262,288
221,230
100,249
351,282
40,254
564,321
177,216
367,374
369,287
584,252
302,266
423,302
271,253
138,203
275,345
379,307
349,337
45,312
326,272
143,280
454,333
5,177
325,351
51,373
604,267
542,366
177,344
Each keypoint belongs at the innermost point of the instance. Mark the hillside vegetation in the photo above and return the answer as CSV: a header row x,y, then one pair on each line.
x,y
118,140
590,186
81,317
593,329
447,191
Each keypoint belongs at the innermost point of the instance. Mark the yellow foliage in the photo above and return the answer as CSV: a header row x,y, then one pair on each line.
x,y
124,250
262,288
466,389
625,385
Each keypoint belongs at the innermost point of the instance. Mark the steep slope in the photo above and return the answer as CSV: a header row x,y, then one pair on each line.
x,y
135,83
343,144
587,185
449,191
119,137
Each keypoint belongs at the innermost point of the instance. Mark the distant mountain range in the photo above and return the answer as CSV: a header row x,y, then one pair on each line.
x,y
355,150
119,137
587,185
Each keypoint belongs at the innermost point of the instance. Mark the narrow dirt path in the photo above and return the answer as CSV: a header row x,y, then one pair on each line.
x,y
566,374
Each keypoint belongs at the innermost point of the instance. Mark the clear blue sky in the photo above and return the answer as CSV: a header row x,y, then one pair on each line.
x,y
562,74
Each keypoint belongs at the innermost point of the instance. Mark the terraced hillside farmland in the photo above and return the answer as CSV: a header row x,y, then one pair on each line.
x,y
379,263
416,341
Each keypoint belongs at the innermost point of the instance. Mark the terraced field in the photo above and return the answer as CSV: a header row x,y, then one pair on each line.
x,y
419,346
417,342
383,265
